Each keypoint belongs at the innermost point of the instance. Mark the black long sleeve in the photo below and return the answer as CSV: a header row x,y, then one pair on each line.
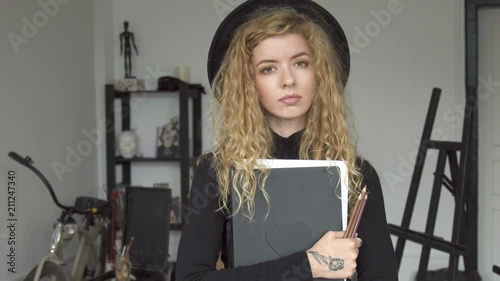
x,y
203,235
376,260
202,239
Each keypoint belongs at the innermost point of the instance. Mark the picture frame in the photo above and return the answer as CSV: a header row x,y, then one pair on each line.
x,y
167,140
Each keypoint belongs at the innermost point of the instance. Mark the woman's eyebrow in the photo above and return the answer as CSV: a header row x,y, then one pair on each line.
x,y
293,57
301,54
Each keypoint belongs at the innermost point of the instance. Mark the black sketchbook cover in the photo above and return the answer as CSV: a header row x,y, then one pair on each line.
x,y
308,198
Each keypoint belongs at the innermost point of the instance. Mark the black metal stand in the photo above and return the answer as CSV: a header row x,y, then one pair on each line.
x,y
464,234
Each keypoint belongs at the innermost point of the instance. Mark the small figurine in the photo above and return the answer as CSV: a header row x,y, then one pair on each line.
x,y
127,37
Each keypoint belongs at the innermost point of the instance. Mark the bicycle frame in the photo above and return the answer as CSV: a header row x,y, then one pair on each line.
x,y
86,250
66,227
61,239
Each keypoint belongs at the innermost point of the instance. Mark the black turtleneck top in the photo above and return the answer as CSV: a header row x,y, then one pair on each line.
x,y
203,236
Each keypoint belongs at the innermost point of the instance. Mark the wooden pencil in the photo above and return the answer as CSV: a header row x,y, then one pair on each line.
x,y
353,216
356,215
358,218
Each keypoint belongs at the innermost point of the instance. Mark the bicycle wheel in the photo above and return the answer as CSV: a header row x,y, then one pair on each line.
x,y
51,272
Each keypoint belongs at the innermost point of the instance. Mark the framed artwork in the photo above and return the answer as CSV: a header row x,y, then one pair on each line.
x,y
167,137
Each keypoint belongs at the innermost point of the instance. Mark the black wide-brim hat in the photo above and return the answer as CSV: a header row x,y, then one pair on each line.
x,y
225,32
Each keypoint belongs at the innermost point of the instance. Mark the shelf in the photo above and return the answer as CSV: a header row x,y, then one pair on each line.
x,y
189,98
193,92
190,136
120,160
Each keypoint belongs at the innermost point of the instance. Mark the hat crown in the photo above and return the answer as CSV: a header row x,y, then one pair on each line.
x,y
277,1
225,32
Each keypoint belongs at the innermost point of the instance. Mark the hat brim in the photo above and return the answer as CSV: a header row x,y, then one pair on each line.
x,y
225,31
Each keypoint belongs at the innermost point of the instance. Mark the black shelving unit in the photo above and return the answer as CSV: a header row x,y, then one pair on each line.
x,y
185,93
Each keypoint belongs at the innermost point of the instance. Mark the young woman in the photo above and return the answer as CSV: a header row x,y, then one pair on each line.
x,y
279,84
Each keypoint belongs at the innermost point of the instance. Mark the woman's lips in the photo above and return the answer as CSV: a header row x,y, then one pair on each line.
x,y
290,99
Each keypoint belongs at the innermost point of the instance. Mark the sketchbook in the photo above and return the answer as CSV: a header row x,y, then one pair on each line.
x,y
308,198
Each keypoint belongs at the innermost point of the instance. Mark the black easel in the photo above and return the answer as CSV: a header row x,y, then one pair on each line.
x,y
464,236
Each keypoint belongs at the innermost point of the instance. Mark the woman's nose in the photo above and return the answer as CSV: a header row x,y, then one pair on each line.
x,y
288,79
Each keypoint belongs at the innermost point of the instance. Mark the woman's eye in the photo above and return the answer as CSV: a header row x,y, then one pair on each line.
x,y
302,63
267,70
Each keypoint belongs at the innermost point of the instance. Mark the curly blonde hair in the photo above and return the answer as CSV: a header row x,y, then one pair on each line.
x,y
242,135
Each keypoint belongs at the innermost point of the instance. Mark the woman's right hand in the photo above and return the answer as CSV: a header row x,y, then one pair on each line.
x,y
334,257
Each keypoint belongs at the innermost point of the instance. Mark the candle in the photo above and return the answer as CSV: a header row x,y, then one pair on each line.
x,y
183,73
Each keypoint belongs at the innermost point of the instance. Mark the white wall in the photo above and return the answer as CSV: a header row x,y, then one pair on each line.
x,y
104,74
488,105
47,102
